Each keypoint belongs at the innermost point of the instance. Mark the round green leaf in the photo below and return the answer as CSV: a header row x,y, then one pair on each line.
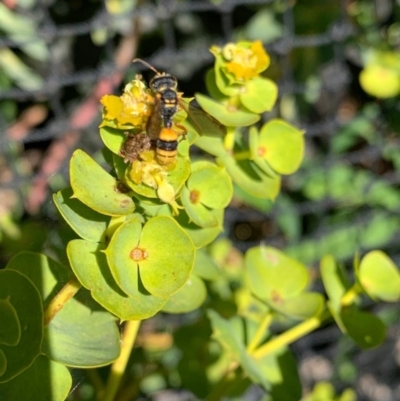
x,y
123,267
10,329
273,276
120,167
281,145
87,223
162,272
90,266
301,306
48,276
198,213
259,95
254,147
25,299
251,178
97,189
379,276
211,184
113,138
367,330
201,236
225,114
170,256
380,81
188,298
77,335
43,380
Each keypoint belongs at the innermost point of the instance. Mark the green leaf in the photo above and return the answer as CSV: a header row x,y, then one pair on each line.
x,y
259,95
21,29
94,187
190,297
23,76
273,276
212,87
90,266
335,282
367,330
380,81
48,276
199,235
379,277
281,145
302,306
77,334
225,333
225,114
25,300
211,185
10,329
221,80
87,223
281,370
205,267
113,138
44,380
203,123
254,145
197,212
251,179
162,272
213,146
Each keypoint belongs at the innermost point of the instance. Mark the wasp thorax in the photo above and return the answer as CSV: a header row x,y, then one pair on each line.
x,y
162,82
138,254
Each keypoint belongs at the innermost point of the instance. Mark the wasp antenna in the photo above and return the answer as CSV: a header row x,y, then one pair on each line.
x,y
139,60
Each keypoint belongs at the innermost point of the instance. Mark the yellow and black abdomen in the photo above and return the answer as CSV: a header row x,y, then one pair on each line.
x,y
167,146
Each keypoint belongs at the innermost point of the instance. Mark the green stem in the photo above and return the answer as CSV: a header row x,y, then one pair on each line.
x,y
63,296
119,366
244,155
258,336
229,140
351,294
291,335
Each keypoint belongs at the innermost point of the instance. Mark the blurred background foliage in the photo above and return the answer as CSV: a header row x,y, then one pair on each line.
x,y
337,63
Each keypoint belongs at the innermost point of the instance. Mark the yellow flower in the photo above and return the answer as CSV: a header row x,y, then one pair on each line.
x,y
245,60
130,110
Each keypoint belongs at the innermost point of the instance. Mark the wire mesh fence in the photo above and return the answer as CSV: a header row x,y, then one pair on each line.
x,y
79,58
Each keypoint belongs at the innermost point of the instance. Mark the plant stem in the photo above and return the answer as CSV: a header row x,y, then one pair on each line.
x,y
244,155
229,140
258,336
291,335
57,303
351,294
119,366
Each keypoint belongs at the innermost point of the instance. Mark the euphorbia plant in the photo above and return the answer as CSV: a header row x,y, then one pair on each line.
x,y
147,244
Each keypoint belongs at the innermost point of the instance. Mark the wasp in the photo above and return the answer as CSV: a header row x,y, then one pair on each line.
x,y
160,127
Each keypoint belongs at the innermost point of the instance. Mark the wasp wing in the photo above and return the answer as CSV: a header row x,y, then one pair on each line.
x,y
203,122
